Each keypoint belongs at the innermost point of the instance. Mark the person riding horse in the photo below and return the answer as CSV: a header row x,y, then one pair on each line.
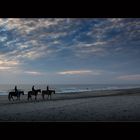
x,y
47,92
33,88
16,91
47,88
33,92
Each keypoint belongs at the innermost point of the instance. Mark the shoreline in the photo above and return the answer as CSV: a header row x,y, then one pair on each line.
x,y
72,95
76,92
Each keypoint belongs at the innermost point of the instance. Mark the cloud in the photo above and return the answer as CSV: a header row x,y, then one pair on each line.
x,y
129,77
116,31
105,36
4,68
99,43
3,38
44,33
81,72
33,73
29,39
34,37
8,64
85,49
25,25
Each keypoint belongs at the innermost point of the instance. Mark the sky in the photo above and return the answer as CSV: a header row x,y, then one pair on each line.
x,y
70,50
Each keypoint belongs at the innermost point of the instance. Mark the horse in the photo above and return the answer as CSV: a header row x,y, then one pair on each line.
x,y
35,93
13,93
47,92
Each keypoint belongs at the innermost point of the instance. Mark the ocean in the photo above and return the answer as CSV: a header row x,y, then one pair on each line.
x,y
5,88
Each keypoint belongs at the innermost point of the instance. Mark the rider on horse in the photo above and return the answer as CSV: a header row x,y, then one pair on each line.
x,y
16,91
33,89
47,87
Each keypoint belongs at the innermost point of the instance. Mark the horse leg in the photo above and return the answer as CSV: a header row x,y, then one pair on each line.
x,y
12,97
43,96
9,97
29,96
19,96
50,96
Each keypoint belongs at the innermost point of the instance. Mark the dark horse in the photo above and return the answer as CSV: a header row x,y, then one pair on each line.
x,y
47,92
13,93
35,93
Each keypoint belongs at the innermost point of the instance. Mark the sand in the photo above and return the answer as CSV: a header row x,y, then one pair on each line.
x,y
114,105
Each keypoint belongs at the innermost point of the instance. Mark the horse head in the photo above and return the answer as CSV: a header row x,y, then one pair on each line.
x,y
52,91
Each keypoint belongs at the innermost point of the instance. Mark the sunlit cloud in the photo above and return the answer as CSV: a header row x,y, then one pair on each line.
x,y
8,63
5,68
81,72
99,43
33,73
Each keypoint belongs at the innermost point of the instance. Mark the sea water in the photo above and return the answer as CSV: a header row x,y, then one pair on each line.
x,y
6,88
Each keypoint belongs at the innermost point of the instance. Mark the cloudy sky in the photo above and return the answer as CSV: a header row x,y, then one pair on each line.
x,y
69,51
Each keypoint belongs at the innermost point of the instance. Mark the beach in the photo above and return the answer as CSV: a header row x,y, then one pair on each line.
x,y
101,105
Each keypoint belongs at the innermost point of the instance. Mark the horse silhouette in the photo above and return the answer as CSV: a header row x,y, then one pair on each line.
x,y
35,93
47,92
17,94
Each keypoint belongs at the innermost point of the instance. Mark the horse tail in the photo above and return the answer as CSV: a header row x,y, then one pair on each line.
x,y
9,96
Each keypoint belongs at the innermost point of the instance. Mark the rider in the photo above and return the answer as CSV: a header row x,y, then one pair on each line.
x,y
47,87
33,89
16,91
